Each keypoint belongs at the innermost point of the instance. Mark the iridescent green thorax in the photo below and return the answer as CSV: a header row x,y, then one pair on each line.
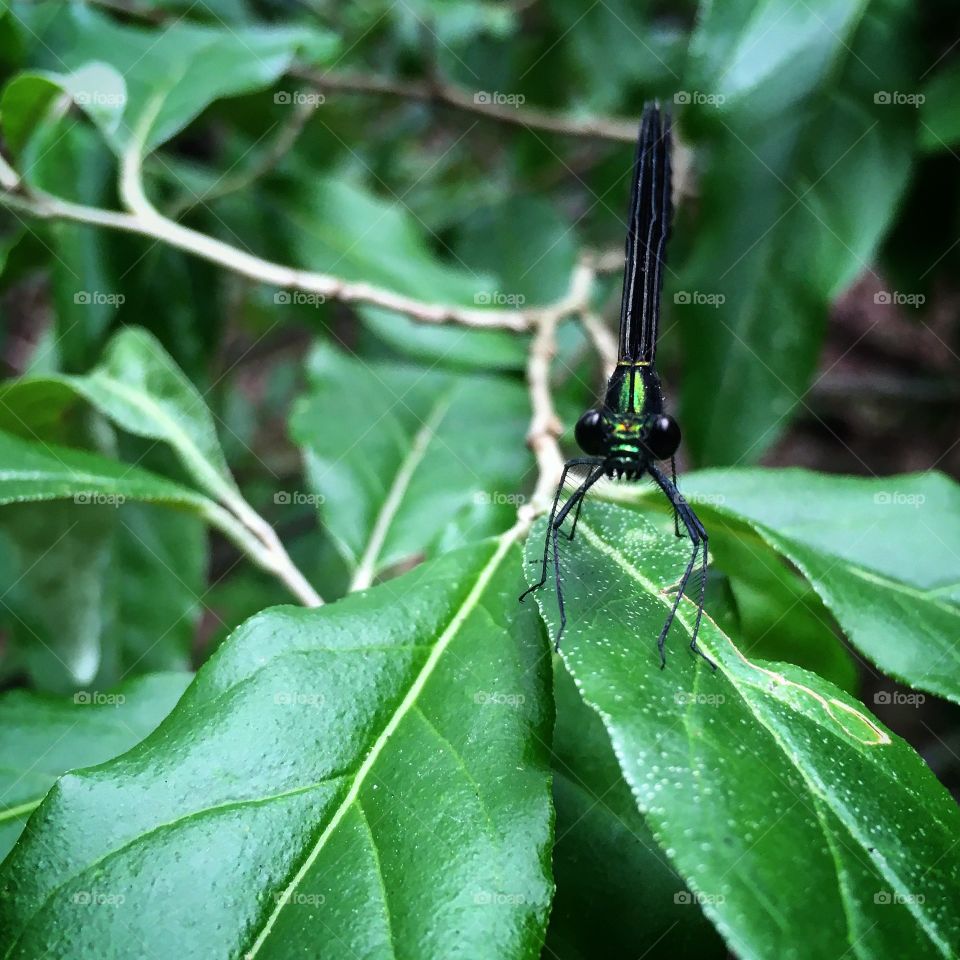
x,y
634,391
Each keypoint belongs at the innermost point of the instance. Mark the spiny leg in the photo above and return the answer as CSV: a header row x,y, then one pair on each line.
x,y
698,536
553,511
575,498
676,513
576,519
703,581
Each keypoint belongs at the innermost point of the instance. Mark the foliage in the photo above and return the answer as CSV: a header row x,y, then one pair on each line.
x,y
299,271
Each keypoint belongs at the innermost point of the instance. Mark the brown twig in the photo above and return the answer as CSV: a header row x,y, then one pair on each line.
x,y
485,103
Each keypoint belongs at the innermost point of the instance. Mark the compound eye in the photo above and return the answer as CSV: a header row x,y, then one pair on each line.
x,y
663,437
589,433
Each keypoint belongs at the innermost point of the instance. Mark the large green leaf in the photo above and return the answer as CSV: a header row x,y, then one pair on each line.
x,y
790,812
397,455
369,778
43,737
614,884
881,554
151,84
795,202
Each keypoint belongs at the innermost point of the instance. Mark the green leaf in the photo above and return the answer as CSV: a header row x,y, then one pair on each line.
x,y
74,163
397,455
940,112
148,85
794,209
76,610
790,812
341,228
766,57
614,884
142,390
637,48
778,613
158,586
43,737
371,777
525,244
881,553
42,471
55,604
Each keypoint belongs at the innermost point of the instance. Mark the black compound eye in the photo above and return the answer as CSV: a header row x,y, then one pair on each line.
x,y
590,434
663,437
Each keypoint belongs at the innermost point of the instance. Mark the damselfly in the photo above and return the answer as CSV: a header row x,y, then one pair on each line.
x,y
631,433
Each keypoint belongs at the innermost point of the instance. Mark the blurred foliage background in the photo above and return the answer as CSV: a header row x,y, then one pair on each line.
x,y
810,304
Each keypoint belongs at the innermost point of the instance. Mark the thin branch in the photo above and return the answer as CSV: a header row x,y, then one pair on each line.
x,y
158,227
9,179
258,540
144,219
505,109
545,425
484,103
604,342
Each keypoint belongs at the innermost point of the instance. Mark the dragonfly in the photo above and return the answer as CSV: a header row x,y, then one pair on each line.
x,y
631,436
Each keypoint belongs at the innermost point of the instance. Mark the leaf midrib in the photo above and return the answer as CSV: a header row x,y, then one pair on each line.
x,y
409,701
367,567
212,479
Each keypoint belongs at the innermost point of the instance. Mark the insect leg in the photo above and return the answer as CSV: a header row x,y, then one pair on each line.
x,y
676,513
553,510
554,529
698,536
576,518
